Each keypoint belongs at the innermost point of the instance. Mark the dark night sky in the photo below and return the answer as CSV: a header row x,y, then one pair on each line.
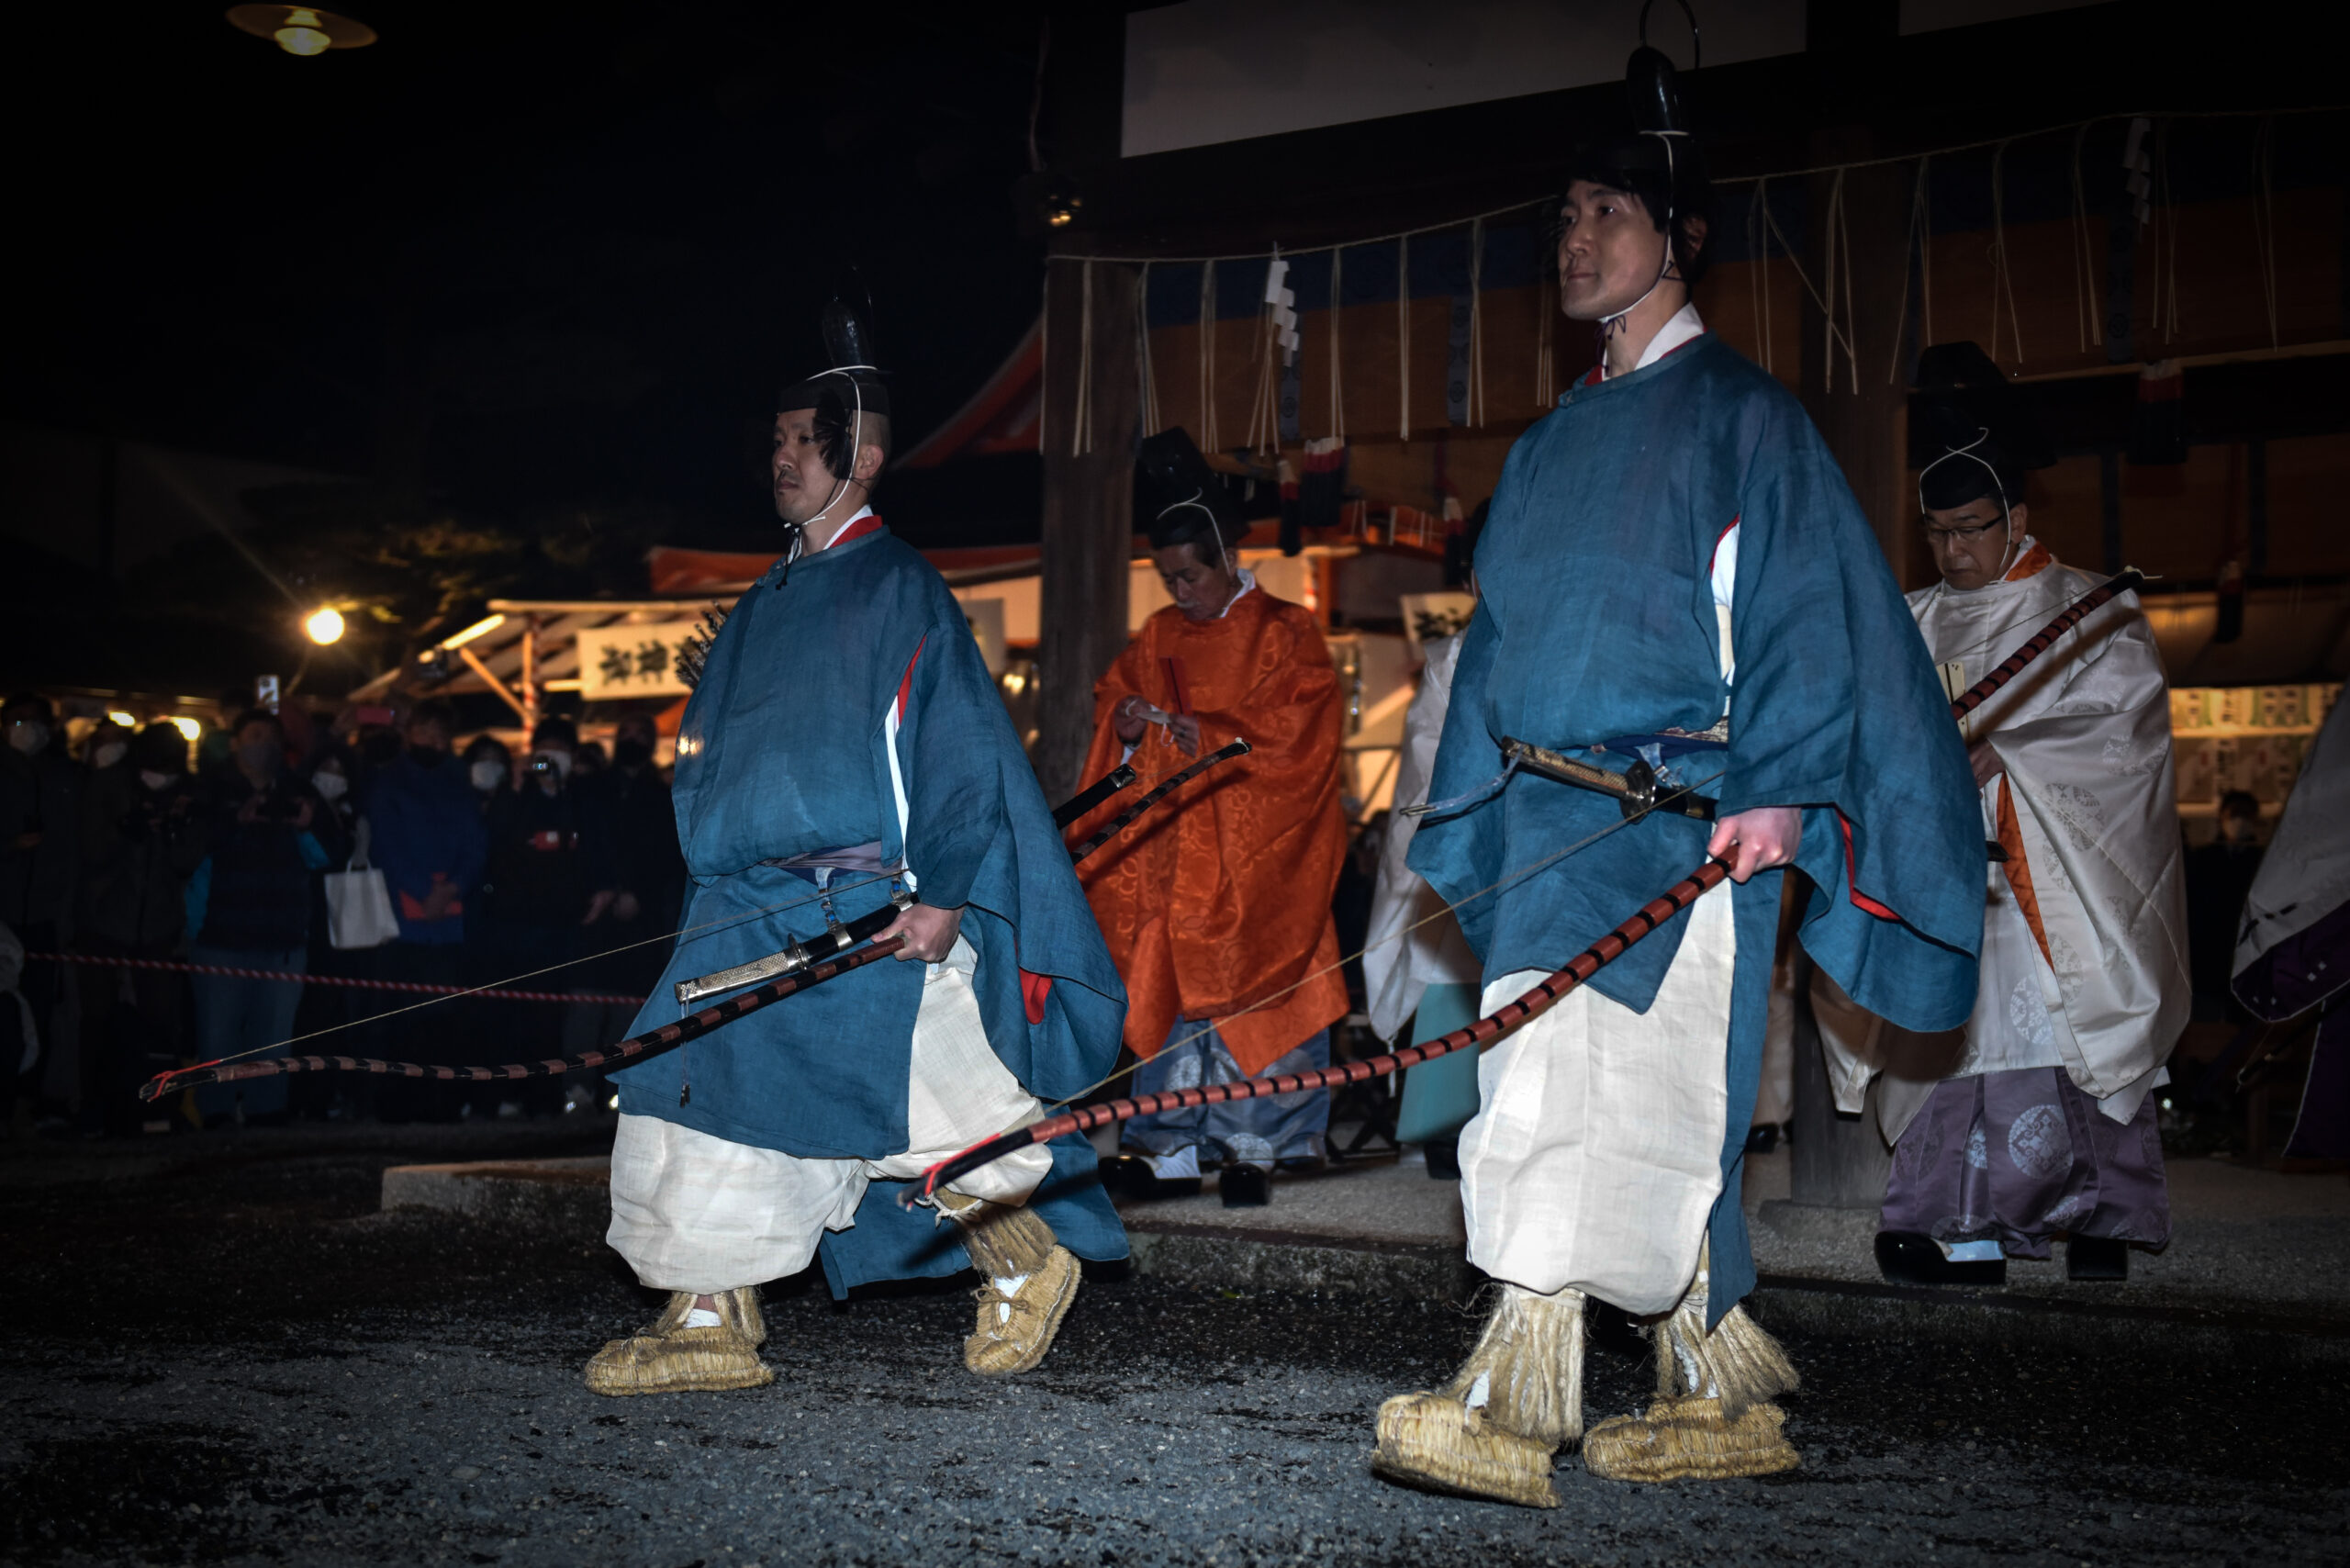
x,y
509,260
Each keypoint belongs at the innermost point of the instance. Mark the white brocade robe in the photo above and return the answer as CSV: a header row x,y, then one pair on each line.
x,y
2305,876
2084,736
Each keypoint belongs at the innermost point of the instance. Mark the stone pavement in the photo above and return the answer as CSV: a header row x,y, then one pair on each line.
x,y
2258,1267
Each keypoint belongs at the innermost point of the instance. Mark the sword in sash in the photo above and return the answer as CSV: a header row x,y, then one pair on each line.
x,y
1640,792
841,937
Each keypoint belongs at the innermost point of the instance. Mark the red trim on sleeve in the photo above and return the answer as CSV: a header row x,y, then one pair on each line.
x,y
1034,990
906,681
1714,554
1867,904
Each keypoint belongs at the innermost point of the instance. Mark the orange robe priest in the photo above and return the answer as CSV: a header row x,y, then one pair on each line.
x,y
1216,906
1218,901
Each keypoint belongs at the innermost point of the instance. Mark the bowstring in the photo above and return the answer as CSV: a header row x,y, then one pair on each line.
x,y
1507,880
821,893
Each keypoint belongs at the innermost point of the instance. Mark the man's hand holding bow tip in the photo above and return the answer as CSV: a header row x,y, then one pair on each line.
x,y
1183,729
1756,840
929,932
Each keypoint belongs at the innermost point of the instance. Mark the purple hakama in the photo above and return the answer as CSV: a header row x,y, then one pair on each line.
x,y
2020,1156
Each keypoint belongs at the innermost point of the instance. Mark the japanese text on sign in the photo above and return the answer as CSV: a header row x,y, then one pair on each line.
x,y
632,661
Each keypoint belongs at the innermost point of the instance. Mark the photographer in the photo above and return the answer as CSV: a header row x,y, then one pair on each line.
x,y
270,835
143,837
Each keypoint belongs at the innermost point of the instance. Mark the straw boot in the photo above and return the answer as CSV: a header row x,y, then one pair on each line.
x,y
670,1357
1491,1430
1713,1418
1027,1280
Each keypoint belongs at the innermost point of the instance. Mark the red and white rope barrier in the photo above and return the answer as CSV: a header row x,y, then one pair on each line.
x,y
353,982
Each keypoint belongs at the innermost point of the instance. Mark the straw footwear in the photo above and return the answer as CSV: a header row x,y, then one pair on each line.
x,y
670,1357
1713,1418
1435,1442
1687,1439
1491,1432
1027,1281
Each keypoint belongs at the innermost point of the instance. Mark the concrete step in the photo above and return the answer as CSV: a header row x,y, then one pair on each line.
x,y
2256,1270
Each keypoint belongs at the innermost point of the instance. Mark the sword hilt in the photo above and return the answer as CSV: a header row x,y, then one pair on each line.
x,y
825,944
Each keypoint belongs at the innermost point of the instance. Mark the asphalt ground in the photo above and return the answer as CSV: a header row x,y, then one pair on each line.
x,y
222,1352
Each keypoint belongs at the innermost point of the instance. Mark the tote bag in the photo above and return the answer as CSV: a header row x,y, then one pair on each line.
x,y
359,904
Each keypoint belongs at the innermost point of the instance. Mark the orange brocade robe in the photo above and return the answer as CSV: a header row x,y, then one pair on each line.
x,y
1220,896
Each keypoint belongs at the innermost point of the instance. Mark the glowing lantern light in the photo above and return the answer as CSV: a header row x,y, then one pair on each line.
x,y
301,30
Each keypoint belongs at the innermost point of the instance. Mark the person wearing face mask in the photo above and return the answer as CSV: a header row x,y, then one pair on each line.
x,y
550,876
1219,916
108,746
142,835
630,802
489,769
332,768
2038,1119
40,794
424,831
270,836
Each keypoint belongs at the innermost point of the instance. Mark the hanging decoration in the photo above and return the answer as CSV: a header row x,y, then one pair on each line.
x,y
2002,278
2089,312
1337,377
1080,437
1149,376
1758,278
1840,264
1545,309
1404,336
1208,441
1921,237
1279,347
2150,200
1476,323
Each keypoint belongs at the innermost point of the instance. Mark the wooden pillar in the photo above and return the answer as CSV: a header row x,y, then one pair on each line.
x,y
1089,504
1836,1160
1839,1161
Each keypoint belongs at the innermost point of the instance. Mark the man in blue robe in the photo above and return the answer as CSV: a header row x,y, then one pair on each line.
x,y
1675,573
844,744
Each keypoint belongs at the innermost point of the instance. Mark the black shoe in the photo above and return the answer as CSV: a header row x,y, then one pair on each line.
x,y
1906,1258
1762,1137
1444,1159
1245,1187
2097,1258
1302,1165
1132,1177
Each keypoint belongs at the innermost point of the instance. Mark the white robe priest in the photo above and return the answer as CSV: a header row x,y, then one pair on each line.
x,y
2034,1119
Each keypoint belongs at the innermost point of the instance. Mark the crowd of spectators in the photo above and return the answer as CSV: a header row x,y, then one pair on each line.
x,y
560,864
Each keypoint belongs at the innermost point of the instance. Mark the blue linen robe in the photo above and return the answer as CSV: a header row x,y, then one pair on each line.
x,y
1598,623
784,751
